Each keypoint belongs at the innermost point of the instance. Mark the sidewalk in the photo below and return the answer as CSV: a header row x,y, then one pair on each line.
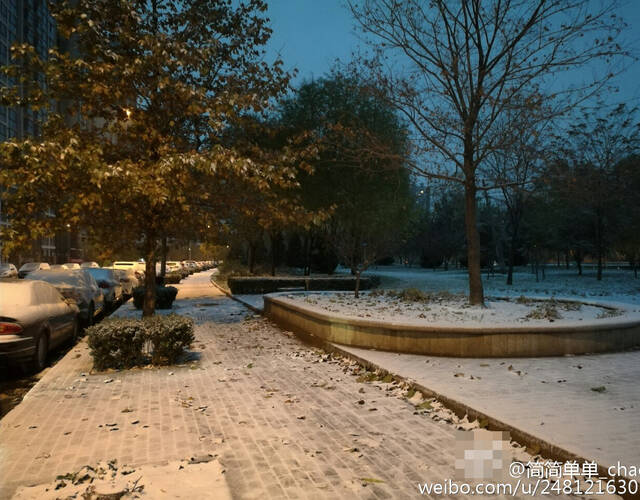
x,y
284,420
549,398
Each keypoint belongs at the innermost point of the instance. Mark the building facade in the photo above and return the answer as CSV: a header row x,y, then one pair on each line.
x,y
29,21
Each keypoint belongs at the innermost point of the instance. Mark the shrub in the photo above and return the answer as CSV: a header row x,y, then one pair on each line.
x,y
545,310
165,295
414,295
169,337
123,343
117,343
267,284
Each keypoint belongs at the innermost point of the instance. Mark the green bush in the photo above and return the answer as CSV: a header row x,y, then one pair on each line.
x,y
169,337
165,295
123,343
117,343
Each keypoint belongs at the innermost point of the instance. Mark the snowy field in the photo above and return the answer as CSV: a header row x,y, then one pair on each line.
x,y
616,285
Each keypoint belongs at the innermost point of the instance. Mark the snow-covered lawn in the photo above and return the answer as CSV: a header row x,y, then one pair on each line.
x,y
616,285
412,306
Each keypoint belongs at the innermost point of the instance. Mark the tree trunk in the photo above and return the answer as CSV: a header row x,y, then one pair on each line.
x,y
149,305
275,242
252,257
512,258
578,259
599,274
476,293
357,287
163,257
307,255
512,252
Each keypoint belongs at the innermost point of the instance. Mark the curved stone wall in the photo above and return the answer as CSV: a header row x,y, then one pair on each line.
x,y
609,335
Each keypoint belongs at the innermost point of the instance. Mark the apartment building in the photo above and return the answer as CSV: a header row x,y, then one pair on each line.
x,y
29,21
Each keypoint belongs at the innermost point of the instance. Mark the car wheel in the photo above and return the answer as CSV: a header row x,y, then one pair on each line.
x,y
39,361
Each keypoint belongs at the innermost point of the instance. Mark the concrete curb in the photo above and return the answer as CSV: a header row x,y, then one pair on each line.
x,y
525,340
237,299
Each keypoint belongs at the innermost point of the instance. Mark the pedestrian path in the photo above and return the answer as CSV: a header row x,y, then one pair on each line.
x,y
588,406
283,420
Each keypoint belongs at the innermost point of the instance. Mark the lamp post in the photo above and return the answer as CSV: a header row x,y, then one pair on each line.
x,y
68,242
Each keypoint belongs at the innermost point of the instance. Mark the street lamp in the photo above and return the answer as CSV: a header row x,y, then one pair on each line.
x,y
68,242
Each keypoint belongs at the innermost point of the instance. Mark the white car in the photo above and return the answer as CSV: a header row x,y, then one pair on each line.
x,y
72,265
8,270
90,264
29,267
138,267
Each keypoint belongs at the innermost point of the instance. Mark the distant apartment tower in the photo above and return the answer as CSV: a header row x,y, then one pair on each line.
x,y
25,21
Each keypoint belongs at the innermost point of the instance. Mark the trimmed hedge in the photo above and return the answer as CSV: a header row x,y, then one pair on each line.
x,y
250,285
123,342
169,336
165,295
117,343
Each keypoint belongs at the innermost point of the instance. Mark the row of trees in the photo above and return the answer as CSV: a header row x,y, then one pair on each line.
x,y
358,190
561,218
137,142
164,121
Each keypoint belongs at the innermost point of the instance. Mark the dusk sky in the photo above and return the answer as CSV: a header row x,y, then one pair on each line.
x,y
311,34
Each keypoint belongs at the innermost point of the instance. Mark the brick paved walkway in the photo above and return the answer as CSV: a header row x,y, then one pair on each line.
x,y
284,420
550,398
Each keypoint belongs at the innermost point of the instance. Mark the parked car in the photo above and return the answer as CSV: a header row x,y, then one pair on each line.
x,y
8,270
192,266
34,318
184,269
58,267
138,267
128,281
110,285
29,267
72,265
89,264
75,284
172,273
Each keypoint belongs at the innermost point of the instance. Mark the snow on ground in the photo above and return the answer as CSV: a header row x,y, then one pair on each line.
x,y
616,285
446,309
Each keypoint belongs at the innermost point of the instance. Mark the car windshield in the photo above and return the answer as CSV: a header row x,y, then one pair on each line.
x,y
4,267
100,274
30,266
70,278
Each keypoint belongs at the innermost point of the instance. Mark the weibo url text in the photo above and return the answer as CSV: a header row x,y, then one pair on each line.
x,y
591,486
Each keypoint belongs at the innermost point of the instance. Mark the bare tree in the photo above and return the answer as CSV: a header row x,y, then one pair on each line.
x,y
453,69
595,145
515,169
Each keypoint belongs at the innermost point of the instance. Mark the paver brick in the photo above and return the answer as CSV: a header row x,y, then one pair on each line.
x,y
284,420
